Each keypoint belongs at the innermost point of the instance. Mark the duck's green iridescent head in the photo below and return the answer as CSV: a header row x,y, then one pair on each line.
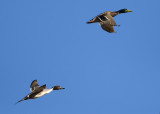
x,y
124,11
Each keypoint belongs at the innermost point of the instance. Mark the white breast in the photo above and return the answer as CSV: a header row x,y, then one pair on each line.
x,y
45,91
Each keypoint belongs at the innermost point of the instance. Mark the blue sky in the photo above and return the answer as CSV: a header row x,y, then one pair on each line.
x,y
103,73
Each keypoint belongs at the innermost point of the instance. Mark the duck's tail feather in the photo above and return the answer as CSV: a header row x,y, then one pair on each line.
x,y
19,101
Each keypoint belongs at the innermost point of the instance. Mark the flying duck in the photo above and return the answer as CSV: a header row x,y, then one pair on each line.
x,y
38,91
106,20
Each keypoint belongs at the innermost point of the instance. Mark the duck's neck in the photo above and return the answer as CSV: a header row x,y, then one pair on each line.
x,y
121,11
114,13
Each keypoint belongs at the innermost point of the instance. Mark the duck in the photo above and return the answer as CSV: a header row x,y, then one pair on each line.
x,y
38,91
106,20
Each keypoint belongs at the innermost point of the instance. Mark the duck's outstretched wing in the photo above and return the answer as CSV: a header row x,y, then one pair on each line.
x,y
98,18
107,27
107,23
37,91
33,93
107,19
34,85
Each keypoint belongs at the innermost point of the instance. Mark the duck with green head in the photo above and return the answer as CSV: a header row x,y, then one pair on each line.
x,y
106,20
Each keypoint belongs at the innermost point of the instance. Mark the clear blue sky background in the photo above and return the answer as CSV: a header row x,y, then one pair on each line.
x,y
103,73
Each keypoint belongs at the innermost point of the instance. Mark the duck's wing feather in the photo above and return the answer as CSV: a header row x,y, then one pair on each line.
x,y
108,15
33,93
36,91
107,27
102,18
107,20
34,85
